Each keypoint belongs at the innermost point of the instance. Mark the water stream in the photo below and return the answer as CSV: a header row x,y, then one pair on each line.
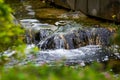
x,y
65,40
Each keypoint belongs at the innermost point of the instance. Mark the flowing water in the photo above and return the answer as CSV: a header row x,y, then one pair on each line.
x,y
65,40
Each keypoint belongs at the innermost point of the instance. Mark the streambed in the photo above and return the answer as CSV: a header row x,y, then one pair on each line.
x,y
62,40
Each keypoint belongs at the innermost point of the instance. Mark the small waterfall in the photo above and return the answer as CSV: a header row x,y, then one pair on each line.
x,y
78,38
36,31
66,35
42,34
59,42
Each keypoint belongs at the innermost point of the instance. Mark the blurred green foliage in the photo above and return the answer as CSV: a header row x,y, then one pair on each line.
x,y
56,73
10,33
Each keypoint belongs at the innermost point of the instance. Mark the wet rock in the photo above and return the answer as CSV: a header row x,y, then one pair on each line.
x,y
81,38
77,38
48,43
42,34
99,36
72,15
36,31
62,22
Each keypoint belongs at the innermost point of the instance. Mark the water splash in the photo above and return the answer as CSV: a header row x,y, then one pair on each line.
x,y
79,56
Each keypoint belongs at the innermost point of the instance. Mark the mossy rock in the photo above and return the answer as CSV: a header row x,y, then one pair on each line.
x,y
56,13
50,13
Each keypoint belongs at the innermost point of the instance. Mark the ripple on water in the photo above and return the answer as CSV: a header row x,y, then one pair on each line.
x,y
79,56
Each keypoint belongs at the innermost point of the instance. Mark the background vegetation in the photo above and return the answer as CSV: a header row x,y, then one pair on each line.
x,y
92,72
10,32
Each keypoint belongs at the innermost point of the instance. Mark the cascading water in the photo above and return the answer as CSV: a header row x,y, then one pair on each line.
x,y
79,56
72,36
66,41
70,44
69,36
